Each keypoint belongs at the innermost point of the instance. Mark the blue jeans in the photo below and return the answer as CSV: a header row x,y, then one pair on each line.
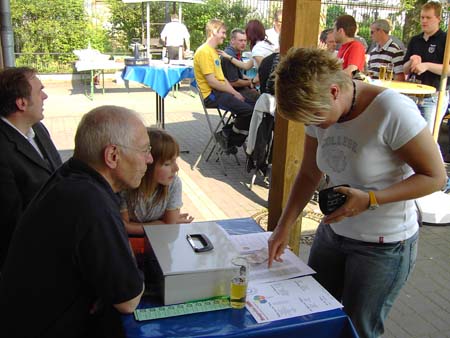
x,y
365,277
428,109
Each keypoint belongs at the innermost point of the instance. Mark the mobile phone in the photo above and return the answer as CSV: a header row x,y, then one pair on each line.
x,y
330,200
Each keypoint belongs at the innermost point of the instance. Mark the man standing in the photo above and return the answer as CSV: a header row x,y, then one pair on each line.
x,y
28,156
175,35
70,256
232,73
386,51
273,34
424,60
351,52
217,90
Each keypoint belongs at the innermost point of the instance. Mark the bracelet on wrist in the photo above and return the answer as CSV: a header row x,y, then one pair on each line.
x,y
231,58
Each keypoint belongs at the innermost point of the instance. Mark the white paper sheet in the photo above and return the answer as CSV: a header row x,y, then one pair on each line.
x,y
250,242
288,298
254,247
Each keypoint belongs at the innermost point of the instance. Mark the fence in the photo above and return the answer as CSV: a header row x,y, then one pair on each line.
x,y
364,11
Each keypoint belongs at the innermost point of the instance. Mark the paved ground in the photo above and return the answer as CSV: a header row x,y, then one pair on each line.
x,y
423,308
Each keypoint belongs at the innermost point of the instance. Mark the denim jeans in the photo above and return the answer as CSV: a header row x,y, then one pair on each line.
x,y
365,277
428,109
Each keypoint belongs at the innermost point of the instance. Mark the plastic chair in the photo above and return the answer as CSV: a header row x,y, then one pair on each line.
x,y
225,118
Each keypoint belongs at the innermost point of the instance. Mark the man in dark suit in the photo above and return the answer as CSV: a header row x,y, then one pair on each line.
x,y
28,156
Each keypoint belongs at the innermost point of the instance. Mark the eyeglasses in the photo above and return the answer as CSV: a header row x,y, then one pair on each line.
x,y
146,152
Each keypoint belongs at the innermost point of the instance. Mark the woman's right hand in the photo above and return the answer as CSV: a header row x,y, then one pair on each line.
x,y
278,241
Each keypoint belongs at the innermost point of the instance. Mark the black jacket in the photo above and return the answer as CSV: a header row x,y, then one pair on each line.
x,y
22,173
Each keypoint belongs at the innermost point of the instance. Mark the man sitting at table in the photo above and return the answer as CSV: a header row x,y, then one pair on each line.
x,y
232,73
386,50
70,261
217,90
28,156
352,52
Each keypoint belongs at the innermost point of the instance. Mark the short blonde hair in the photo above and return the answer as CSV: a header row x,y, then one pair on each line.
x,y
302,85
214,25
435,5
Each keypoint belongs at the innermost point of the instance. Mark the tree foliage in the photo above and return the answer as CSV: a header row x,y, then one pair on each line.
x,y
57,26
128,20
196,16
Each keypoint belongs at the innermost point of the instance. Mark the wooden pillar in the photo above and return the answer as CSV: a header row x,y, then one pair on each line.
x,y
300,28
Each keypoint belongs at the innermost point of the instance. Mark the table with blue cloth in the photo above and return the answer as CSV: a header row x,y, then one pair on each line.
x,y
161,78
239,323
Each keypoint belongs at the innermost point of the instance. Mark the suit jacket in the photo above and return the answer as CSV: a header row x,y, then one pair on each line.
x,y
22,173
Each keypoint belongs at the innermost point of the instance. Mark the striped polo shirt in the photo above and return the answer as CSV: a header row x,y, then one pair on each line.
x,y
390,52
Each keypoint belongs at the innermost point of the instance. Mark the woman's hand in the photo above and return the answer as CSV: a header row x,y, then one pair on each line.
x,y
223,54
184,218
277,243
357,202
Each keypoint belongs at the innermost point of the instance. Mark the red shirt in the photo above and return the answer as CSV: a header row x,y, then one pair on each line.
x,y
352,53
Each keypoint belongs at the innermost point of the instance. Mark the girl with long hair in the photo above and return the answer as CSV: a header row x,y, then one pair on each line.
x,y
158,199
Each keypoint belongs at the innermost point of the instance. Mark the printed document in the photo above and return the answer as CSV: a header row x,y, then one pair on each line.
x,y
254,247
288,298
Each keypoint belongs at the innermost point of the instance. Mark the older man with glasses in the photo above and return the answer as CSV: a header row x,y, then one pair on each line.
x,y
70,256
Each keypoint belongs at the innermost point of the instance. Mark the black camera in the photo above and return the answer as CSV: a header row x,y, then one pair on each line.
x,y
330,200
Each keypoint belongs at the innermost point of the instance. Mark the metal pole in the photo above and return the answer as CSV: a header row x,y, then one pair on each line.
x,y
7,35
442,89
148,30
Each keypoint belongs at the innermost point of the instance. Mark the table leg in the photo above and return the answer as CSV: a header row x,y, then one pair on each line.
x,y
160,123
103,81
92,84
160,115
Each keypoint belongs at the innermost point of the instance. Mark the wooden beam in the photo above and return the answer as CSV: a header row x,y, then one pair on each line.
x,y
300,28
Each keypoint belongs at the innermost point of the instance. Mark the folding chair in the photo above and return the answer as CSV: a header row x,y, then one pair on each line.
x,y
225,118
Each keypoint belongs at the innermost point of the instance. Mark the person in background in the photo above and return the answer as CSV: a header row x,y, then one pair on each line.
x,y
327,41
175,35
273,34
386,51
424,60
28,156
232,73
158,199
260,47
374,140
216,89
70,254
351,52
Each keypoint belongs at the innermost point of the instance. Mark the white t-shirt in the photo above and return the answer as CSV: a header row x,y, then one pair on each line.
x,y
175,32
262,48
360,152
273,37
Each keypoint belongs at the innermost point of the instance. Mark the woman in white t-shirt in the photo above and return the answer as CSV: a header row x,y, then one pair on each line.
x,y
259,45
374,140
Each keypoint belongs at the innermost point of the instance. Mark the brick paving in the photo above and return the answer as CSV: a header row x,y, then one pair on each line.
x,y
423,308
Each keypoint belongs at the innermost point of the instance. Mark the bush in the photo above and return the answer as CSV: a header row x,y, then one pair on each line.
x,y
47,32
